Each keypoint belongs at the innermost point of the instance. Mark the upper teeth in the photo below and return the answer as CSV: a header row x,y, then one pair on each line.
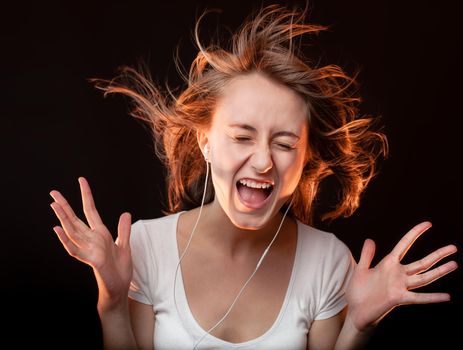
x,y
254,184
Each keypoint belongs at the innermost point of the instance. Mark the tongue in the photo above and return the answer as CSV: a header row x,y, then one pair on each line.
x,y
252,195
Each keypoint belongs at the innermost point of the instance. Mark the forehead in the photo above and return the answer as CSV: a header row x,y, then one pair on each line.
x,y
257,100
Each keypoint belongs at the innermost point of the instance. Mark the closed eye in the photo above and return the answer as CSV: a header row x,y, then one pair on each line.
x,y
282,145
286,147
242,138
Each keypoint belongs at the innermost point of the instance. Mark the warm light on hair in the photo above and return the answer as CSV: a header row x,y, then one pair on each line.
x,y
340,142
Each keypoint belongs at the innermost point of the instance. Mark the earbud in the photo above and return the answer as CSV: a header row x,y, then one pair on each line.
x,y
206,152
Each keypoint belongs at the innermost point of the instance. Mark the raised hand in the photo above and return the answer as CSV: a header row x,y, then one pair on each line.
x,y
374,292
111,261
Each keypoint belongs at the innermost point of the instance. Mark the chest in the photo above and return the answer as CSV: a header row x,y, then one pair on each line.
x,y
211,284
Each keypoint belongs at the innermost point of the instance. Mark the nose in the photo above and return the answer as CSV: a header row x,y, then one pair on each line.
x,y
262,160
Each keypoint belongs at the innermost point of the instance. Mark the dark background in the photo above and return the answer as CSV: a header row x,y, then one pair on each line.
x,y
55,127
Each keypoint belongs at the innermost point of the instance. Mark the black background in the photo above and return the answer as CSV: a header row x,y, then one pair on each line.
x,y
55,127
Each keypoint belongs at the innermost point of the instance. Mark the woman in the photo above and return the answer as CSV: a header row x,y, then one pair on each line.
x,y
244,268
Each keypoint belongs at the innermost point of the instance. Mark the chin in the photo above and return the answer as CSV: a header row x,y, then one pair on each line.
x,y
252,220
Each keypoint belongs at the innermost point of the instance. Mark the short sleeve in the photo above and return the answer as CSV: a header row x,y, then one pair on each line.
x,y
337,270
142,268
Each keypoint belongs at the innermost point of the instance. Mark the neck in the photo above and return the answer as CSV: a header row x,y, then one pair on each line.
x,y
219,231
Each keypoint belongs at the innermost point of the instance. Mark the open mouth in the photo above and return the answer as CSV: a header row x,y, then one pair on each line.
x,y
254,196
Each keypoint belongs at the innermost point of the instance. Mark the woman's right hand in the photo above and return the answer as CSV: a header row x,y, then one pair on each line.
x,y
111,261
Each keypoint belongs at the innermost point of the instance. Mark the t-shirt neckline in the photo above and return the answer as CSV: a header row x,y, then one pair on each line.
x,y
187,316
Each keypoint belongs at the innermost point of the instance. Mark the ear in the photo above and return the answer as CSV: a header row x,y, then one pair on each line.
x,y
202,140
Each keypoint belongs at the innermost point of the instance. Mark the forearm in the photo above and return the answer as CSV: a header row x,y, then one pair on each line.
x,y
116,327
350,338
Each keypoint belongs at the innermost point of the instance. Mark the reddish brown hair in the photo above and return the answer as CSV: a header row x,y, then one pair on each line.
x,y
340,142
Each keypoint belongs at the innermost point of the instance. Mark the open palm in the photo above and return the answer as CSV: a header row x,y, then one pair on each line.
x,y
94,244
374,292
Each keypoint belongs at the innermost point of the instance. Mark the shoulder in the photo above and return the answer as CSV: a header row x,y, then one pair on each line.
x,y
326,264
151,226
321,242
323,251
144,230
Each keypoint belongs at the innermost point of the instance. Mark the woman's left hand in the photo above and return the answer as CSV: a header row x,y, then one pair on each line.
x,y
374,292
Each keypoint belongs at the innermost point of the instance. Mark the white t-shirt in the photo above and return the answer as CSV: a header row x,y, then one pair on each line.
x,y
322,267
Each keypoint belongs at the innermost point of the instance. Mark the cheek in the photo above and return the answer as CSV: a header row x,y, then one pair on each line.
x,y
290,170
226,160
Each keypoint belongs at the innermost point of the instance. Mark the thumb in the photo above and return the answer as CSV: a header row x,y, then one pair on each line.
x,y
123,230
368,252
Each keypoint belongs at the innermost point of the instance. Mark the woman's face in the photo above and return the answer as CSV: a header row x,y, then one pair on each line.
x,y
258,142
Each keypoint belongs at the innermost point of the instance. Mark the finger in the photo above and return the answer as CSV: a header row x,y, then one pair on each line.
x,y
123,230
71,231
367,254
90,211
67,243
59,198
430,260
425,298
406,242
423,279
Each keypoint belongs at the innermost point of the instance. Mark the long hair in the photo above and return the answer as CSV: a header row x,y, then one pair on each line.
x,y
340,142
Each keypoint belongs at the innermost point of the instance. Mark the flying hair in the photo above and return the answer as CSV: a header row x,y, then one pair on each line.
x,y
340,142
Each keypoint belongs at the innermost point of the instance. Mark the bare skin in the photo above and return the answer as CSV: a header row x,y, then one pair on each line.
x,y
205,265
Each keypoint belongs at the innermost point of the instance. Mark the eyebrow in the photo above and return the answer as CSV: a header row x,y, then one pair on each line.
x,y
250,128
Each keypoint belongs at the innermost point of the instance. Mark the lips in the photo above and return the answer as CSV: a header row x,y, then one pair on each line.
x,y
254,198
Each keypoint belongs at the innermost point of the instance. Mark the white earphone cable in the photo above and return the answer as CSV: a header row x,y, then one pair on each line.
x,y
248,280
191,235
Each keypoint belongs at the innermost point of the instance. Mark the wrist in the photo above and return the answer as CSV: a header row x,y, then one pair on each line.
x,y
354,325
353,337
112,294
362,321
112,305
